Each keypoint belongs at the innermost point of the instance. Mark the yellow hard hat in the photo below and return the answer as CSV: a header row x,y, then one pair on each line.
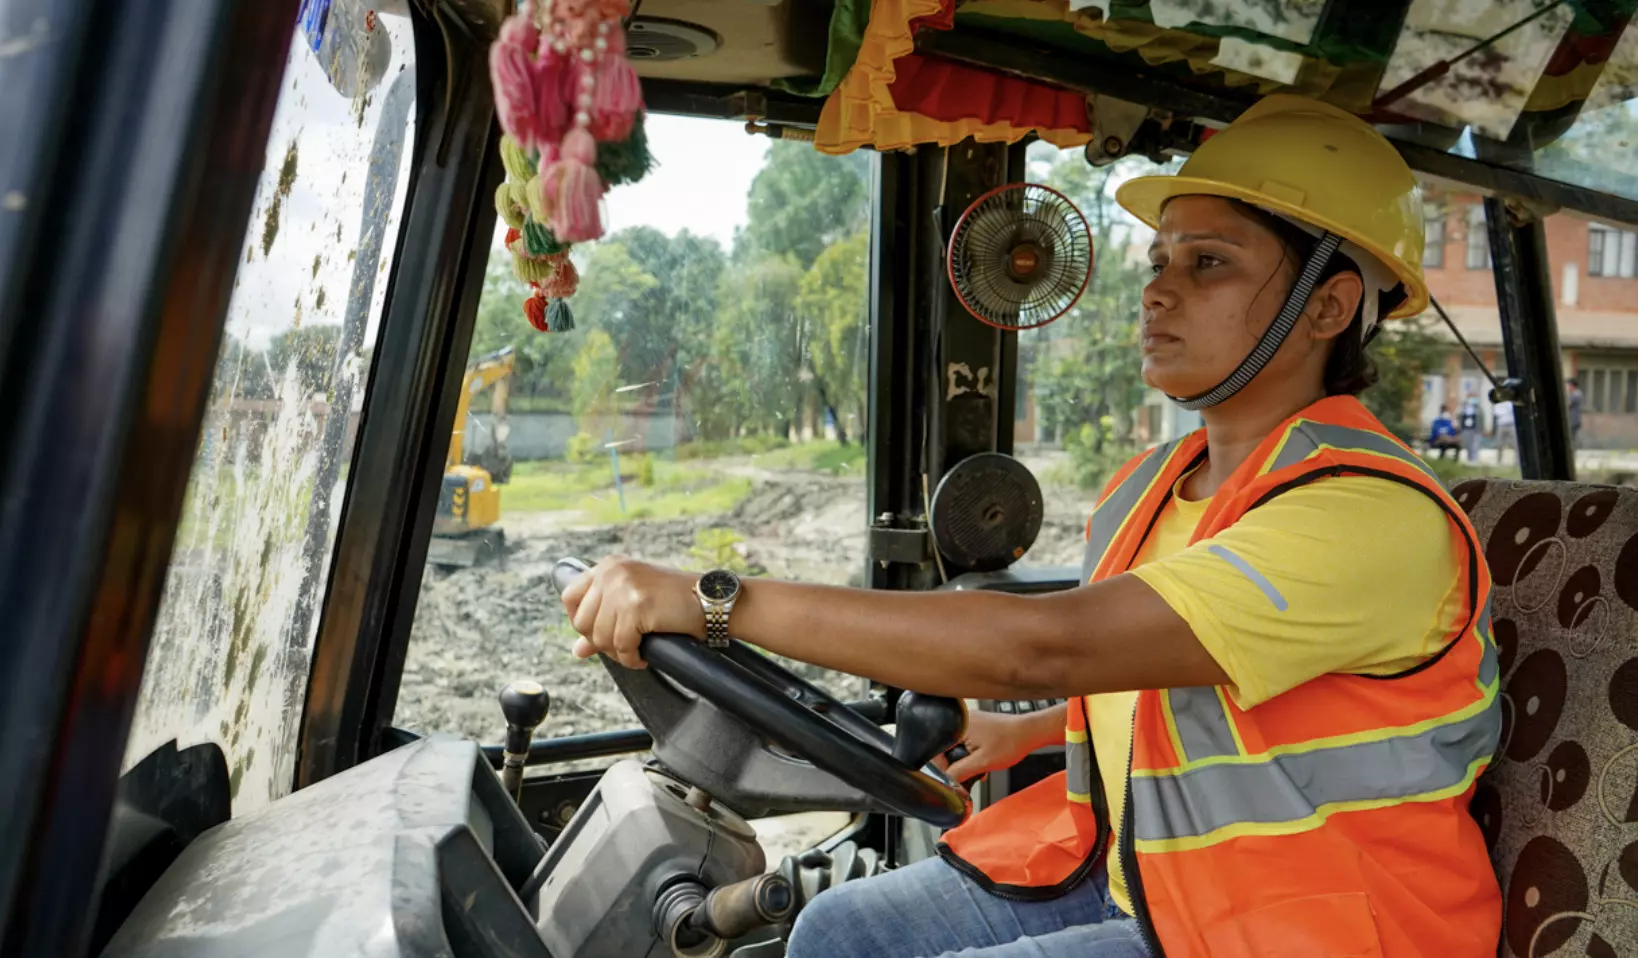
x,y
1313,163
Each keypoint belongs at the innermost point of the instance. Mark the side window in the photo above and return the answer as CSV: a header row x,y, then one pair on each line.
x,y
1478,237
229,657
1433,238
707,410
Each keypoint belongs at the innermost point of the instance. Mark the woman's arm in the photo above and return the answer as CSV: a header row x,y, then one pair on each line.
x,y
1111,636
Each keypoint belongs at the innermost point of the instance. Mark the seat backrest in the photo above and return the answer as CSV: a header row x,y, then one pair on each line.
x,y
1559,808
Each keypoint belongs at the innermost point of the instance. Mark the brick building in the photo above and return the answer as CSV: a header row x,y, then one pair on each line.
x,y
1595,293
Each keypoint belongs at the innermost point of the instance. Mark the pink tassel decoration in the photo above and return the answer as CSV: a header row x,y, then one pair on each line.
x,y
552,109
513,77
617,97
575,216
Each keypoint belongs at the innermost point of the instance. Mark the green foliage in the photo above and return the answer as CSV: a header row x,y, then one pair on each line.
x,y
823,455
581,447
718,548
595,367
756,350
833,300
645,471
803,202
311,352
1095,454
1403,352
1087,368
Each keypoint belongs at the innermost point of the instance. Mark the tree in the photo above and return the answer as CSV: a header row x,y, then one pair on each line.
x,y
595,368
1402,352
804,201
757,346
1088,371
834,305
311,351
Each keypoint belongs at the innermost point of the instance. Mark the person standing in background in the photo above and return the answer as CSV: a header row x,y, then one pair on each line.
x,y
1506,437
1444,436
1575,398
1470,427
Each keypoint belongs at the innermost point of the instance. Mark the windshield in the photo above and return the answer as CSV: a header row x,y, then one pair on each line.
x,y
229,657
706,411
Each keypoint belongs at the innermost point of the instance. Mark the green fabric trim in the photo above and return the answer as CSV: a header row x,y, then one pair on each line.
x,y
848,20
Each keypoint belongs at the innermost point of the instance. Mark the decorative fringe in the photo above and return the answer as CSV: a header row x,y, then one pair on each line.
x,y
539,241
530,270
565,279
510,212
617,97
513,77
551,107
516,160
559,319
628,160
577,189
534,308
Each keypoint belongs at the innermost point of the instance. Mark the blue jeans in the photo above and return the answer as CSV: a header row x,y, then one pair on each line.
x,y
930,910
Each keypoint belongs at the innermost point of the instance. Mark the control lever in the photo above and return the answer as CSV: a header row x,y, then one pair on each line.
x,y
525,705
697,923
927,725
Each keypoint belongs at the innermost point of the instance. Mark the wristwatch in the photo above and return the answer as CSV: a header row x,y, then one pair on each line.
x,y
717,590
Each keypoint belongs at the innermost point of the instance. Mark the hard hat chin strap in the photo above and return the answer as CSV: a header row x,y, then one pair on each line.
x,y
1295,302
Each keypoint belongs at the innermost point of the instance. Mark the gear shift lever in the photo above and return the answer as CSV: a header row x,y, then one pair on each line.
x,y
927,725
525,705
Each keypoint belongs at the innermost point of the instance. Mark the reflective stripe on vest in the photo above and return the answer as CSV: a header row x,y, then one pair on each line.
x,y
1111,514
1306,438
1222,795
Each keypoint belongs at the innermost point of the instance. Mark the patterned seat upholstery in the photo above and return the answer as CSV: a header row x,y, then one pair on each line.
x,y
1560,806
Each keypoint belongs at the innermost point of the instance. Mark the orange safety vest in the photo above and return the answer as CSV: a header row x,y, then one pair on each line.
x,y
1329,821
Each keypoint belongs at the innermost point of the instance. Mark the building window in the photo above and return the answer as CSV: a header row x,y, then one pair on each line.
x,y
1611,252
1433,240
1632,391
1478,239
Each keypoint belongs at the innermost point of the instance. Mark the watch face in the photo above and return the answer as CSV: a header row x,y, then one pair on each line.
x,y
719,586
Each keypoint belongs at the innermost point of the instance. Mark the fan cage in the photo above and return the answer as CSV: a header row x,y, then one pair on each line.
x,y
1000,222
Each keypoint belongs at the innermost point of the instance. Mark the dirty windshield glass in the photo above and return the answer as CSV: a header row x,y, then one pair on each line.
x,y
707,411
230,651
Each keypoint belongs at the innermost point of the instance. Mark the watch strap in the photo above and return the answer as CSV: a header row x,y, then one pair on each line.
x,y
716,625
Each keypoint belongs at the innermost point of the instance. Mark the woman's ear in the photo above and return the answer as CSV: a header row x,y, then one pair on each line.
x,y
1332,307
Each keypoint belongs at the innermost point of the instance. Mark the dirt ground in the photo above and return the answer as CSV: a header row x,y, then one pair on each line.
x,y
477,629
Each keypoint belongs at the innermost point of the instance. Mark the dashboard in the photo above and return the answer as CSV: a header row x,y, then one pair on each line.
x,y
418,852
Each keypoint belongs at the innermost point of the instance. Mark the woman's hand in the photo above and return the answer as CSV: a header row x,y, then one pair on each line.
x,y
995,740
620,600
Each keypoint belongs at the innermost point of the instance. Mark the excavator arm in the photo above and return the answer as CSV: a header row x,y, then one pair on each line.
x,y
494,370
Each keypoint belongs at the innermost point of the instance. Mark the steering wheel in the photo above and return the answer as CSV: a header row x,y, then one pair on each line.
x,y
776,706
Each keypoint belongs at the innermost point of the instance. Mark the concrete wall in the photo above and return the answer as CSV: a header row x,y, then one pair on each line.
x,y
546,435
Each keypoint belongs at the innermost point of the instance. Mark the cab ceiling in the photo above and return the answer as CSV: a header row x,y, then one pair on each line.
x,y
729,41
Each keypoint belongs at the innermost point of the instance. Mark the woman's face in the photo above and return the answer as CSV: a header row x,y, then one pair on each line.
x,y
1219,280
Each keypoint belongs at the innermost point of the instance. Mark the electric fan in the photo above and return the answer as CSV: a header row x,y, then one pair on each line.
x,y
1020,256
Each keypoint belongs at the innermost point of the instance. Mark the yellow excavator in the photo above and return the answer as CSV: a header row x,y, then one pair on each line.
x,y
465,531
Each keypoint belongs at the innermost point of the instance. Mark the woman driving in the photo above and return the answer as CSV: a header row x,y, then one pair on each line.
x,y
1280,673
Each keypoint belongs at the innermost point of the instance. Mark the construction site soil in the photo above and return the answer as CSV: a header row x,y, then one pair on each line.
x,y
477,629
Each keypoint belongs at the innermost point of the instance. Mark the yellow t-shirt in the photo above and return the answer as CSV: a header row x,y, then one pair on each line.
x,y
1304,586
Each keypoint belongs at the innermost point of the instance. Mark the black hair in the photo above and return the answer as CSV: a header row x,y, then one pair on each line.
x,y
1348,370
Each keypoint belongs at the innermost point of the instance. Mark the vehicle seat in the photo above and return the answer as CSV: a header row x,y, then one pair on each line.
x,y
1559,808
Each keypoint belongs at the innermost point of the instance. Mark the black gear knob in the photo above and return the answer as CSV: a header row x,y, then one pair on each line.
x,y
525,705
927,725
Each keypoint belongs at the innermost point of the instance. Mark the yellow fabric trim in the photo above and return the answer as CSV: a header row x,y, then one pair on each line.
x,y
861,111
1234,727
1323,813
1171,726
1334,741
1074,736
1081,798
